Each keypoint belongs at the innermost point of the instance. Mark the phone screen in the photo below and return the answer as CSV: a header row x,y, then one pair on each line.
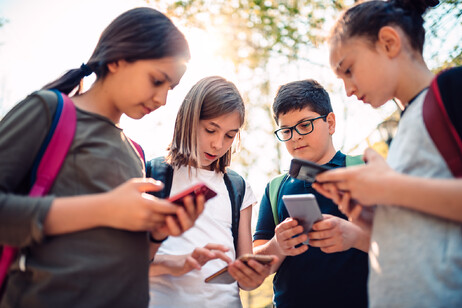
x,y
198,189
305,170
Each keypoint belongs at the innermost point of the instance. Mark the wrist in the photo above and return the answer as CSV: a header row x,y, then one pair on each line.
x,y
157,239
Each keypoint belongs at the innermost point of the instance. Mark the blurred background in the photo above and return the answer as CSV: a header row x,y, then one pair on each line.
x,y
258,45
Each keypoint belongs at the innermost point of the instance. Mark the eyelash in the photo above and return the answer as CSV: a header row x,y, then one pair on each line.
x,y
212,131
156,82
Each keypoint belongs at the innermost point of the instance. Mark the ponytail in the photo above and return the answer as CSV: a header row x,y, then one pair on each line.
x,y
70,80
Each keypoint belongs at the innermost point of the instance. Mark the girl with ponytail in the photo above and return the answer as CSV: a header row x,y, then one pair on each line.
x,y
412,205
86,244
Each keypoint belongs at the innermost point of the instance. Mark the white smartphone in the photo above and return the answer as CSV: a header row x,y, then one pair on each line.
x,y
304,208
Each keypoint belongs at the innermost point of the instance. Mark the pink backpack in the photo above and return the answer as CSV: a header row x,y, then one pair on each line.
x,y
48,163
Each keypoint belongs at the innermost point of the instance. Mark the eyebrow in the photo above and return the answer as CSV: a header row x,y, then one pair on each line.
x,y
302,120
339,65
218,126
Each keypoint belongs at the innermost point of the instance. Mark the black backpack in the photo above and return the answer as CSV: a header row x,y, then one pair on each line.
x,y
158,169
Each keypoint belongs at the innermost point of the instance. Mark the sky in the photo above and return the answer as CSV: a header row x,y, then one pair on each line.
x,y
43,39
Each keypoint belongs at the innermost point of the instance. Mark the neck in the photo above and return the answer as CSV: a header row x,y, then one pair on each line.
x,y
413,79
95,100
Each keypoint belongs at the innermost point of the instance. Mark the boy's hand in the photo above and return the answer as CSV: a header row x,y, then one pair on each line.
x,y
334,234
288,235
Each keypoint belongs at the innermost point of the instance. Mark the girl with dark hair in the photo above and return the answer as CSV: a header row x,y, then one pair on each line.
x,y
208,122
86,243
413,205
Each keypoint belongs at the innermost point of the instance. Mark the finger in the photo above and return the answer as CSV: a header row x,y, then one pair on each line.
x,y
173,226
212,246
159,206
297,251
192,262
189,206
184,220
335,175
147,184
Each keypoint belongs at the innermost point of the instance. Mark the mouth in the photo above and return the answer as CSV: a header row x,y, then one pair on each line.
x,y
300,148
210,156
148,110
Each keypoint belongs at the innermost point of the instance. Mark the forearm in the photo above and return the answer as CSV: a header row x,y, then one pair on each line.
x,y
71,214
271,247
439,197
166,265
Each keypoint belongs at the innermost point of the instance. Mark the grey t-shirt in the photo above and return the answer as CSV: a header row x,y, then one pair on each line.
x,y
415,258
100,267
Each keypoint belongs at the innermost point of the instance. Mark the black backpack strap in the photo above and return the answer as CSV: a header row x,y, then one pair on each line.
x,y
159,170
236,190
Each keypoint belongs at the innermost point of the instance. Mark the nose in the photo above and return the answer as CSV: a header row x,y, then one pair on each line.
x,y
349,87
296,135
160,97
217,142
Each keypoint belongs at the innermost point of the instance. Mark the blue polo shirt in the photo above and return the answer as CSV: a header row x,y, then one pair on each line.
x,y
314,278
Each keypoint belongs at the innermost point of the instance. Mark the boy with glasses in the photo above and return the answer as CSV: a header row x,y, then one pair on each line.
x,y
333,271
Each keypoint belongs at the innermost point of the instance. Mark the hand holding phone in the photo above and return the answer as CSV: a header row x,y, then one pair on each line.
x,y
304,208
305,170
222,276
194,191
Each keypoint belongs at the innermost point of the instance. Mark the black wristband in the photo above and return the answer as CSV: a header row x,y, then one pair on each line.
x,y
153,240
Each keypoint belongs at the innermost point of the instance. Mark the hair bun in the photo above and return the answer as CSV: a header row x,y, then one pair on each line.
x,y
417,6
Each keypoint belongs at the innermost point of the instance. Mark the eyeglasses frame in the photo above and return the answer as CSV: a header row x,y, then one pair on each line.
x,y
295,127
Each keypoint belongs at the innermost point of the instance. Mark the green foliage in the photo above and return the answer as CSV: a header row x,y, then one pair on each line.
x,y
256,30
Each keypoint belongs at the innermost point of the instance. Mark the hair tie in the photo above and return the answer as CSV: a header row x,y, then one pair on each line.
x,y
86,69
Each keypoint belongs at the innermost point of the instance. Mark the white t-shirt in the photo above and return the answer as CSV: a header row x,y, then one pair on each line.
x,y
415,258
213,226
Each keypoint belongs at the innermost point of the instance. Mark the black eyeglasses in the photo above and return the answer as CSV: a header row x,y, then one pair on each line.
x,y
303,128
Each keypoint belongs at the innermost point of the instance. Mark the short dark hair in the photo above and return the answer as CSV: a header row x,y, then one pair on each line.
x,y
300,94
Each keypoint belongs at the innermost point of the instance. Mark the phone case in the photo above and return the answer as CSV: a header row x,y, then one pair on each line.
x,y
304,208
222,276
305,170
198,189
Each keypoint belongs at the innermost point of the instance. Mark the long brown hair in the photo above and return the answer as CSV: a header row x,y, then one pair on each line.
x,y
209,98
138,34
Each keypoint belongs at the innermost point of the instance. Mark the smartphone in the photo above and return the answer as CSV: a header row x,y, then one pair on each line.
x,y
222,276
304,208
197,189
305,170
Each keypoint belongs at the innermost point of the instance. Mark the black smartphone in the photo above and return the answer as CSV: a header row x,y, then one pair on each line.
x,y
305,170
194,191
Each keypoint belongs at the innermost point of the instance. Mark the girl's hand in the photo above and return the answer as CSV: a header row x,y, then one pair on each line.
x,y
251,274
334,234
130,208
364,183
183,220
286,237
179,265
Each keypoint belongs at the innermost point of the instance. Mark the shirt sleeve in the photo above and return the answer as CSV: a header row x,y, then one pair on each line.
x,y
249,197
22,132
265,223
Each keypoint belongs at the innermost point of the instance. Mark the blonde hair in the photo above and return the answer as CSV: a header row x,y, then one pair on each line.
x,y
209,98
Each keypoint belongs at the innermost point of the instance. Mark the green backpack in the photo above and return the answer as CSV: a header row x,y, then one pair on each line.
x,y
275,184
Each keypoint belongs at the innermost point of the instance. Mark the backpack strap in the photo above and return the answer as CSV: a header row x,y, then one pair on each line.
x,y
442,118
353,160
138,149
48,162
274,188
158,169
236,190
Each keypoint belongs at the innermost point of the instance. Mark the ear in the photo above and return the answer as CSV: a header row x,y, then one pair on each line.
x,y
389,40
114,66
330,119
